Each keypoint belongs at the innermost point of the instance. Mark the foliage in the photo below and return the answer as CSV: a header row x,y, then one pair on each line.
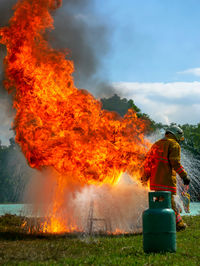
x,y
106,250
192,137
13,173
121,106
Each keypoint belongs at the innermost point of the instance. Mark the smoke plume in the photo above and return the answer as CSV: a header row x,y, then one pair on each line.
x,y
6,111
82,31
6,114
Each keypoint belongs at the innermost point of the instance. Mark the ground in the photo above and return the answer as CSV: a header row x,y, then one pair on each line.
x,y
18,248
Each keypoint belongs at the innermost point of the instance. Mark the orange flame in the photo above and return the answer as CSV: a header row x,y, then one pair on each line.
x,y
56,124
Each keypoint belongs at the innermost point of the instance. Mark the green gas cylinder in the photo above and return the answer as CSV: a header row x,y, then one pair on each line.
x,y
159,224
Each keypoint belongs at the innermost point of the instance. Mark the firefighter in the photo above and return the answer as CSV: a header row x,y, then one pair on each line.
x,y
161,165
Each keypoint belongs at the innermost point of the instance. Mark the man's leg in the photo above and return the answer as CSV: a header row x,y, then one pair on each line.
x,y
180,225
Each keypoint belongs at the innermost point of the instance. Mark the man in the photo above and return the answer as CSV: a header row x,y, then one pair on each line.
x,y
161,165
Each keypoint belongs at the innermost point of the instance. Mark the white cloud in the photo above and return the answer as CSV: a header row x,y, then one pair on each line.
x,y
165,102
191,71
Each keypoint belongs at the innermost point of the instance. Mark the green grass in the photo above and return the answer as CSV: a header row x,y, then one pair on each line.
x,y
18,248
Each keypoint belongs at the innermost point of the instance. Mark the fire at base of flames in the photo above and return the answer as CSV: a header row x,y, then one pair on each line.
x,y
93,209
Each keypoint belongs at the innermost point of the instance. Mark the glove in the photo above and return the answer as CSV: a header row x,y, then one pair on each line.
x,y
186,181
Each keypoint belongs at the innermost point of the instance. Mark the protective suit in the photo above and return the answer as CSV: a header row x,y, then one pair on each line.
x,y
163,163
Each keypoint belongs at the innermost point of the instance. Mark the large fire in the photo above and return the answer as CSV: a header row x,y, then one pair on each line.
x,y
56,124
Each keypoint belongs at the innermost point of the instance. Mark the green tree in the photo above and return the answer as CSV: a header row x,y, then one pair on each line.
x,y
121,106
14,173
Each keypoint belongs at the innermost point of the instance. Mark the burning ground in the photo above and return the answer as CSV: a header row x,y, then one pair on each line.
x,y
62,130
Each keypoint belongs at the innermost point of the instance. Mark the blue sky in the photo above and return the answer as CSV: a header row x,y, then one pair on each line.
x,y
152,40
155,55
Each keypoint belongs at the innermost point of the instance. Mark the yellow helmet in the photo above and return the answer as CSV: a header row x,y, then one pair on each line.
x,y
176,131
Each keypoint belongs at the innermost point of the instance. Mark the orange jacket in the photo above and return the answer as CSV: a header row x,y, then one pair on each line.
x,y
162,163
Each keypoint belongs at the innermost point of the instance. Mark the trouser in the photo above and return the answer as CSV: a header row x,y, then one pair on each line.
x,y
176,210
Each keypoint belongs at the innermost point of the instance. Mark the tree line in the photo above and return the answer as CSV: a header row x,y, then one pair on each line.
x,y
14,173
121,106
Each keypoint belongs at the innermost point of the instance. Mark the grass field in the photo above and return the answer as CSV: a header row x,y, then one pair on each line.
x,y
18,248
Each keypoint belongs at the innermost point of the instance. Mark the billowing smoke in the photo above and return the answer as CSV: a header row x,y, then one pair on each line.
x,y
6,114
79,29
6,111
6,11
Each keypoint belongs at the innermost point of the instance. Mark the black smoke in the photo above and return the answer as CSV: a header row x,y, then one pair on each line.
x,y
6,110
79,28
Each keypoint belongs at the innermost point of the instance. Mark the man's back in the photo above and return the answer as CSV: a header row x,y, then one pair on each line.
x,y
162,164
